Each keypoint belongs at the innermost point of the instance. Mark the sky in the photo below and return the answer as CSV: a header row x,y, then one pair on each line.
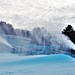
x,y
27,14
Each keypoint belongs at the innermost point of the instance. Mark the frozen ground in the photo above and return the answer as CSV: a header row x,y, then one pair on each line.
x,y
58,64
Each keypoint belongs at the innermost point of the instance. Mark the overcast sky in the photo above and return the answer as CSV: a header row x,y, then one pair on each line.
x,y
52,14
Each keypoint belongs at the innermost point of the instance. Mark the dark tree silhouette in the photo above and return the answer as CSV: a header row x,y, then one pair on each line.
x,y
69,31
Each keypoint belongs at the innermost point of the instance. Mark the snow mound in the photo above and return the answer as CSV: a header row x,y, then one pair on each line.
x,y
59,58
39,59
56,58
36,65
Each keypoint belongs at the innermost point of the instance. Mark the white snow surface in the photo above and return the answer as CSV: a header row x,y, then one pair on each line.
x,y
58,64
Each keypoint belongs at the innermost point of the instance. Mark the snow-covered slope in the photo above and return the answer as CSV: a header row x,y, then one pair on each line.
x,y
4,45
58,64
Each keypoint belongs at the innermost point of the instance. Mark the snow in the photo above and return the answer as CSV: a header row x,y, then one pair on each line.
x,y
4,45
25,46
3,40
57,64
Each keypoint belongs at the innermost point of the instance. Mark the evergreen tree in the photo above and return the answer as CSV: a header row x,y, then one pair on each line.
x,y
69,31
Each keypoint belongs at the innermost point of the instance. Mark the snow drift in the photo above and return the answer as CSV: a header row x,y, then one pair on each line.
x,y
36,65
14,60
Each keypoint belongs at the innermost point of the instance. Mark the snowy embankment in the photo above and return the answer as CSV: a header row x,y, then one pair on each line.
x,y
58,64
